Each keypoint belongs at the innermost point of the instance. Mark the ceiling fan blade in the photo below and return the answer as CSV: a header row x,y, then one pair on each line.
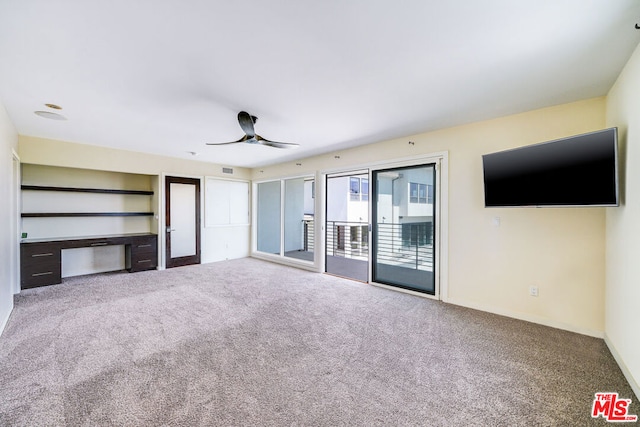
x,y
246,121
243,139
276,144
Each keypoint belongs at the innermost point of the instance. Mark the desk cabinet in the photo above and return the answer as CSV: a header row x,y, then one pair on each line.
x,y
41,261
41,264
142,253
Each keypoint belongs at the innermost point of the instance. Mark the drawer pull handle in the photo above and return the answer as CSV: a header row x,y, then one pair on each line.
x,y
144,246
41,274
144,260
37,255
99,244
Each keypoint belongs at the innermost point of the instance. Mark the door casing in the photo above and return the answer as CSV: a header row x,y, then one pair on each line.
x,y
184,260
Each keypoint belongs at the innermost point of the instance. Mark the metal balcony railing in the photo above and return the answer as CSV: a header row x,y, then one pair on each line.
x,y
348,239
406,245
309,233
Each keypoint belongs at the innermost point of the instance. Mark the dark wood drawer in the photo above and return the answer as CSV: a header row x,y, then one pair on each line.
x,y
142,253
40,275
35,255
144,244
143,261
39,251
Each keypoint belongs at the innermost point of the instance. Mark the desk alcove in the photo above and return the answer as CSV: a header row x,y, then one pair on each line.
x,y
41,259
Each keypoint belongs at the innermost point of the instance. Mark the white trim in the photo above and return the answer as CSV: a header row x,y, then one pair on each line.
x,y
347,173
528,318
282,215
441,250
391,163
288,261
320,214
284,178
403,290
281,258
442,202
623,367
16,226
3,322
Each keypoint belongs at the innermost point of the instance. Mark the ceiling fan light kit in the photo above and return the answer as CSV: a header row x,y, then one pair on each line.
x,y
247,122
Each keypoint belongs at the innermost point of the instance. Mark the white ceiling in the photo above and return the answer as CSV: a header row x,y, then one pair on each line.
x,y
167,76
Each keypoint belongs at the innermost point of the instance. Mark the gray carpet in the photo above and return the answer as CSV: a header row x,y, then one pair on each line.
x,y
251,343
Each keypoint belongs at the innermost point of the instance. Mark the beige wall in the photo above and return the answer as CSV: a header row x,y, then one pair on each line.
x,y
42,151
623,227
559,250
8,217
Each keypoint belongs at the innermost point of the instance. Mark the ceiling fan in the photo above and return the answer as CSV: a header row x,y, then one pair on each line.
x,y
247,121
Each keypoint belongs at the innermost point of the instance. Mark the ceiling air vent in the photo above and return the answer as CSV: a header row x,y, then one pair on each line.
x,y
227,170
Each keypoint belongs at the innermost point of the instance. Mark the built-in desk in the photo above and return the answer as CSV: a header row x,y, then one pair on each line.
x,y
41,259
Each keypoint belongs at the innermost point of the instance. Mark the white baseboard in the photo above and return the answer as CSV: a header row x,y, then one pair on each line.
x,y
623,367
528,318
5,319
291,262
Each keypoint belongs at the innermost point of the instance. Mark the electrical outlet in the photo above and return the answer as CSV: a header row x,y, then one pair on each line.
x,y
533,291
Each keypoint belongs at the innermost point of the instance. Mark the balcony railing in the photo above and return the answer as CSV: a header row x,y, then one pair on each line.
x,y
309,233
405,245
348,239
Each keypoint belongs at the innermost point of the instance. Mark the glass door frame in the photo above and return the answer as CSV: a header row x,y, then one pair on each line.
x,y
280,257
440,250
409,283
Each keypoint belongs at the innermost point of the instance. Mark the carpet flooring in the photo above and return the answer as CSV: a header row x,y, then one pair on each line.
x,y
251,343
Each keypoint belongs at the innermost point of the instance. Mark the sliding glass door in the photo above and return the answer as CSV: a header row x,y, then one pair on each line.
x,y
403,241
285,218
347,225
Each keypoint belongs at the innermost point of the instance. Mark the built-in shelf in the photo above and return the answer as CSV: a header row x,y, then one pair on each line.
x,y
82,214
86,190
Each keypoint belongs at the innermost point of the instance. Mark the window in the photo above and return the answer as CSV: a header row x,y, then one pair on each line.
x,y
420,193
354,188
417,234
364,189
358,189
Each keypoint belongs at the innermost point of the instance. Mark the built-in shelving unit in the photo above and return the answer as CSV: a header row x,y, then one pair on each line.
x,y
82,214
82,221
87,190
84,190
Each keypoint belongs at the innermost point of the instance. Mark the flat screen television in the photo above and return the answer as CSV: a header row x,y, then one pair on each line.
x,y
580,170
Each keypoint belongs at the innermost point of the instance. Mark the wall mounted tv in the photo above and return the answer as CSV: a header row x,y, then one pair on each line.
x,y
580,170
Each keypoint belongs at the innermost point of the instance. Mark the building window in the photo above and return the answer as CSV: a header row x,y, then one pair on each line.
x,y
354,188
417,234
358,189
420,193
364,189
